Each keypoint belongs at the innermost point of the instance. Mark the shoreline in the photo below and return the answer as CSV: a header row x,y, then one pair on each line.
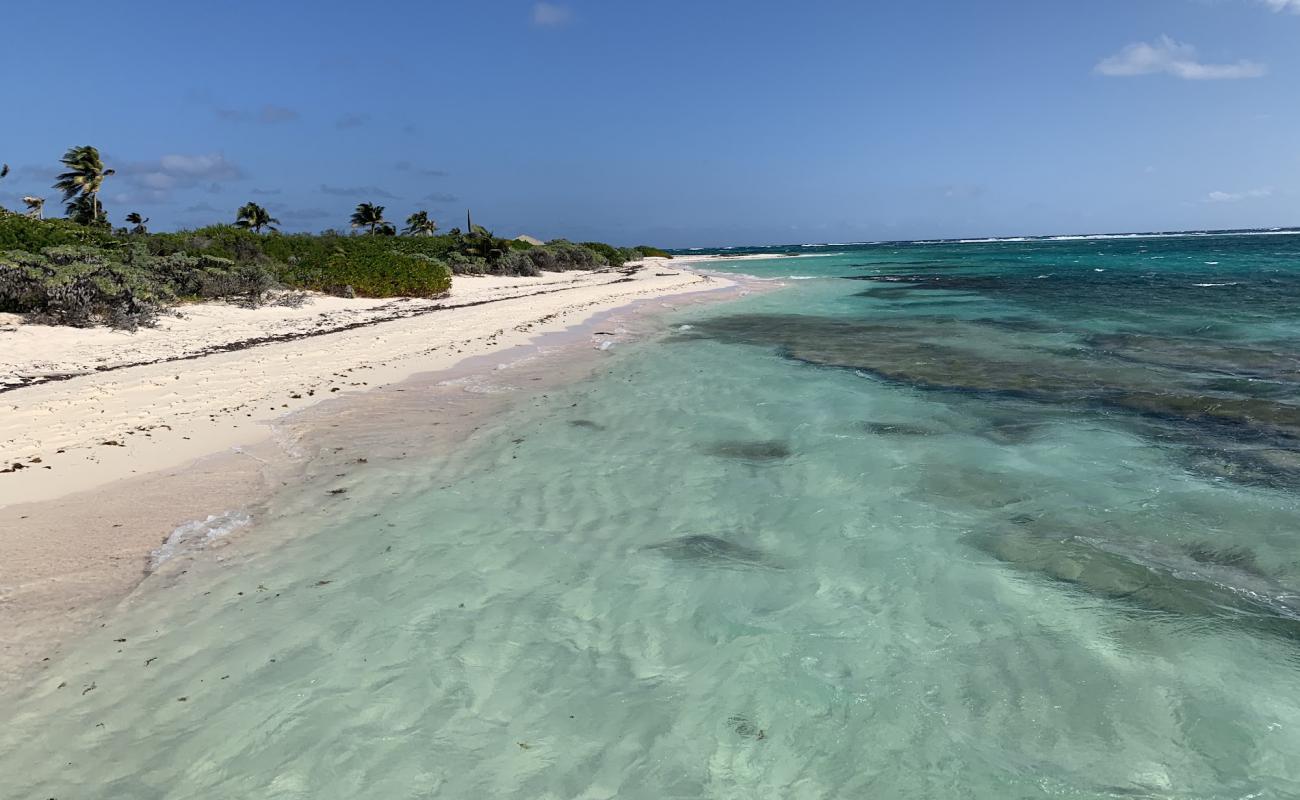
x,y
76,547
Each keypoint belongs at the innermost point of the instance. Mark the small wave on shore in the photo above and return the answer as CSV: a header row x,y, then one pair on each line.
x,y
196,535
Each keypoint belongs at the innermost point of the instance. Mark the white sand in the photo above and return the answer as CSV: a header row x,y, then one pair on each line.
x,y
122,414
192,435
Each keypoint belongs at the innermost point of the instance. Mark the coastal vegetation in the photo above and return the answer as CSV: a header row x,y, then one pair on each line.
x,y
82,271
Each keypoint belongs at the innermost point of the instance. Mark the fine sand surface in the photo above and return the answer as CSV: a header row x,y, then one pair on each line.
x,y
111,440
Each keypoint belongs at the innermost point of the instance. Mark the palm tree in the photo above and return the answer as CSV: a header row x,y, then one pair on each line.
x,y
84,178
253,216
81,210
419,224
35,206
138,221
4,170
368,214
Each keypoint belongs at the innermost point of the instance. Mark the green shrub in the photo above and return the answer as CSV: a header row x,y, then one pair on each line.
x,y
369,266
613,256
517,262
20,232
647,251
78,286
561,256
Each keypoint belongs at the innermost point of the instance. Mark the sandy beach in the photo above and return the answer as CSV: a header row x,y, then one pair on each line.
x,y
112,440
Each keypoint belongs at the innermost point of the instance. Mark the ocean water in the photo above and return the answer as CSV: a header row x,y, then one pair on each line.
x,y
980,520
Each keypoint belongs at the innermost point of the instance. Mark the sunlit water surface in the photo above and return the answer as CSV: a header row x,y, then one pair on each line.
x,y
987,521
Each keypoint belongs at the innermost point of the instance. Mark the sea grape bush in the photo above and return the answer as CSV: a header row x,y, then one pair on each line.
x,y
60,272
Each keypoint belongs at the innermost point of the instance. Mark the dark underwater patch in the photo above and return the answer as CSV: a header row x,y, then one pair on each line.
x,y
1224,586
749,450
712,551
969,357
896,429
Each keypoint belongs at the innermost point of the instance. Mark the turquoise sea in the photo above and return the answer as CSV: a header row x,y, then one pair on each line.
x,y
992,520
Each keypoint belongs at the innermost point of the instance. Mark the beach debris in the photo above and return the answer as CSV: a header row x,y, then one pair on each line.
x,y
745,450
16,466
336,491
524,745
112,443
322,583
150,660
92,687
586,423
707,550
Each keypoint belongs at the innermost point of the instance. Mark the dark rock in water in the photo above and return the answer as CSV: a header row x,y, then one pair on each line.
x,y
896,429
1011,430
744,726
1197,583
1230,556
586,423
768,450
707,550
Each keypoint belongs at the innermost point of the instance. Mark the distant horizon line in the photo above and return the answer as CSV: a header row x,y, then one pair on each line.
x,y
1055,237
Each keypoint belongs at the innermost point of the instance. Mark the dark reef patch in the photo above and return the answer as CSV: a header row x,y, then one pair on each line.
x,y
746,450
712,551
1165,387
1225,585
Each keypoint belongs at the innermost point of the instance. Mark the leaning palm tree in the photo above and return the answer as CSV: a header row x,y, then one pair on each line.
x,y
254,217
4,170
82,210
138,221
83,180
368,215
35,206
419,224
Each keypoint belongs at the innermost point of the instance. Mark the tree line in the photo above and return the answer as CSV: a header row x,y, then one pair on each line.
x,y
83,179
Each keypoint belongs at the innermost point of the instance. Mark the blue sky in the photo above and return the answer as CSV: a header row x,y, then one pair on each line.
x,y
699,122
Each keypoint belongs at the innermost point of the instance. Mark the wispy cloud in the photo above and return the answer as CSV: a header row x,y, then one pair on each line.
x,y
266,115
351,120
408,167
1237,197
265,192
434,198
551,15
1173,58
204,208
360,192
1283,5
302,214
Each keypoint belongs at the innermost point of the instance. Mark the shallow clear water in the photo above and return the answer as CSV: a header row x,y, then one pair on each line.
x,y
955,531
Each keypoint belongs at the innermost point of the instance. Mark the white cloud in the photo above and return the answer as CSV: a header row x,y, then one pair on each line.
x,y
1283,5
550,15
1174,58
176,171
1237,197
